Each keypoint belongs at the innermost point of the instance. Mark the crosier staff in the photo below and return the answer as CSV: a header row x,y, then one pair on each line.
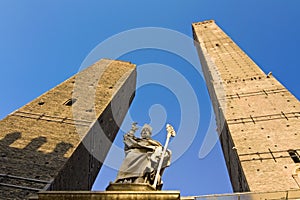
x,y
170,132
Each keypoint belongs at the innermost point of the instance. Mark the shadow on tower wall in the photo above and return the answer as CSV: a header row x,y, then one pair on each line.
x,y
28,170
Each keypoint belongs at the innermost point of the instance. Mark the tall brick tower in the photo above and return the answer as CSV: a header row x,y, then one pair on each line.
x,y
257,117
59,140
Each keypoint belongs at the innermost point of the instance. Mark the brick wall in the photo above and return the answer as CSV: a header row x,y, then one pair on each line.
x,y
258,118
57,141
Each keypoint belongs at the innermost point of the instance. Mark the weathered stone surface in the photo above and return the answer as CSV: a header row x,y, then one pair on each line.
x,y
112,195
130,187
258,118
290,194
59,140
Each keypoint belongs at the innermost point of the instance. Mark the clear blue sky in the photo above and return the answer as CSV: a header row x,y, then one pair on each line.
x,y
42,43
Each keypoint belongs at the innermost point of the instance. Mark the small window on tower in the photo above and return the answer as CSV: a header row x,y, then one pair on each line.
x,y
294,155
70,102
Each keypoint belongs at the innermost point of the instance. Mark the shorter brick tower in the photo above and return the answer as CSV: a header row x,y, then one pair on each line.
x,y
59,140
257,117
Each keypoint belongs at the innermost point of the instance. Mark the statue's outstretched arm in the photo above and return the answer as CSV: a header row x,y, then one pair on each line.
x,y
129,138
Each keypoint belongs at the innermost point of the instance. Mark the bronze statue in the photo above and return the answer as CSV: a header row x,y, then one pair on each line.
x,y
142,157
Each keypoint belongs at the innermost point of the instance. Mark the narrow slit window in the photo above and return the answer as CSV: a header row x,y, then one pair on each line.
x,y
294,155
70,102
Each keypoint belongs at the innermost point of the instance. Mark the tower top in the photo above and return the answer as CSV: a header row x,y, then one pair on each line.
x,y
203,22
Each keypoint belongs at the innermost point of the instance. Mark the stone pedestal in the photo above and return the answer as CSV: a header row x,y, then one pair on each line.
x,y
130,187
109,195
114,191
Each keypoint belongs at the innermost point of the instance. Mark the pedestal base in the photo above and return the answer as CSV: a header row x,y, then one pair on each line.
x,y
109,195
129,187
115,191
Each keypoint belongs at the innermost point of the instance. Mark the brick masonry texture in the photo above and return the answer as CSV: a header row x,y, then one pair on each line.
x,y
59,140
257,117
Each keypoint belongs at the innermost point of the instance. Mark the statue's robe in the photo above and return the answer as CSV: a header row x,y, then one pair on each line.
x,y
141,157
